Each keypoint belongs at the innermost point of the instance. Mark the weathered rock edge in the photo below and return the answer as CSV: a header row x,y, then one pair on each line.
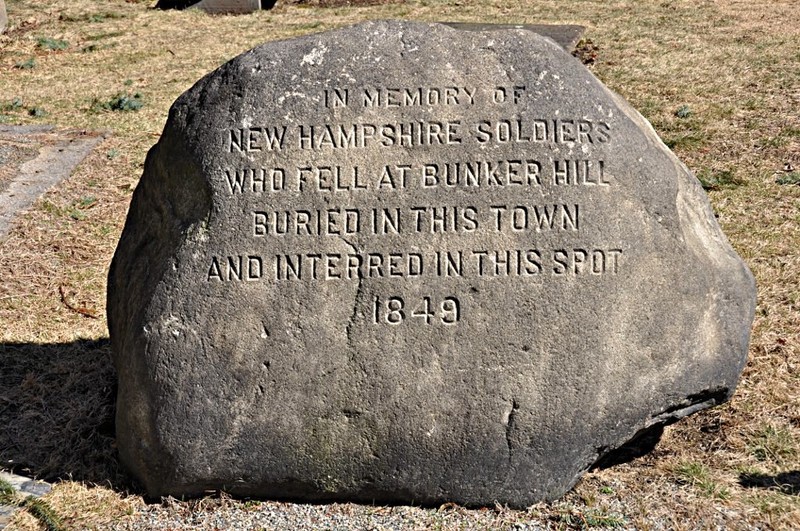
x,y
511,408
3,16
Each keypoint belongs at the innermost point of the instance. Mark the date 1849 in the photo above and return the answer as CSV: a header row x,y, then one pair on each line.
x,y
397,310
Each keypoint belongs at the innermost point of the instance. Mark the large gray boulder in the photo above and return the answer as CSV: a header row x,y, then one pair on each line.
x,y
403,262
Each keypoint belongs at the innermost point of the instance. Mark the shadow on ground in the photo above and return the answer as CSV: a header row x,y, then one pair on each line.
x,y
785,482
57,412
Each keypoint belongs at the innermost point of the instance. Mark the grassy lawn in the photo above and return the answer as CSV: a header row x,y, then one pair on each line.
x,y
719,80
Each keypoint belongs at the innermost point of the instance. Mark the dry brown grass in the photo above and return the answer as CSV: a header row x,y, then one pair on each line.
x,y
734,65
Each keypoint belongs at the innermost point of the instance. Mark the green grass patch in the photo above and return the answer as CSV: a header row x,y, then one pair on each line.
x,y
123,102
37,112
773,444
97,47
699,476
86,202
42,511
575,518
48,43
683,111
26,65
689,141
7,493
13,105
91,17
774,504
719,180
107,35
17,104
790,178
783,138
76,214
77,210
305,26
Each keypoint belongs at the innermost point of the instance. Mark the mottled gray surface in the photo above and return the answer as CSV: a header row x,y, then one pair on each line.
x,y
25,487
515,327
229,6
46,157
3,16
565,35
218,6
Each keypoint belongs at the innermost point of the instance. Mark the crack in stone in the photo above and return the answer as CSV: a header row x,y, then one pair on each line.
x,y
511,425
402,38
354,313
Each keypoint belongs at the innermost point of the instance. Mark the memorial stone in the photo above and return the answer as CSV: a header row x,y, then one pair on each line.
x,y
400,262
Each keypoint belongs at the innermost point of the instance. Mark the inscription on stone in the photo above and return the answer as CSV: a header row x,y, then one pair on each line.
x,y
397,173
402,262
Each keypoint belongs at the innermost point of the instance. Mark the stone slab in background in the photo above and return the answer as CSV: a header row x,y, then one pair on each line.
x,y
218,6
25,487
565,35
228,6
400,262
32,160
3,16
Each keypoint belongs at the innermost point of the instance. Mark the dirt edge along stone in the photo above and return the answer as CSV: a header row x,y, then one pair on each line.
x,y
401,262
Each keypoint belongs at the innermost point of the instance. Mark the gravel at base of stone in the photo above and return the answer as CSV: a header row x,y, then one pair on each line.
x,y
218,514
276,515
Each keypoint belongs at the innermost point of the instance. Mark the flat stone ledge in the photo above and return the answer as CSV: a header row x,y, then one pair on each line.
x,y
3,16
26,487
218,7
33,159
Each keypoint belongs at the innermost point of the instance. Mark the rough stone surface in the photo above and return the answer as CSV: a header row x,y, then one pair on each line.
x,y
565,35
3,16
25,487
35,158
504,275
218,6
